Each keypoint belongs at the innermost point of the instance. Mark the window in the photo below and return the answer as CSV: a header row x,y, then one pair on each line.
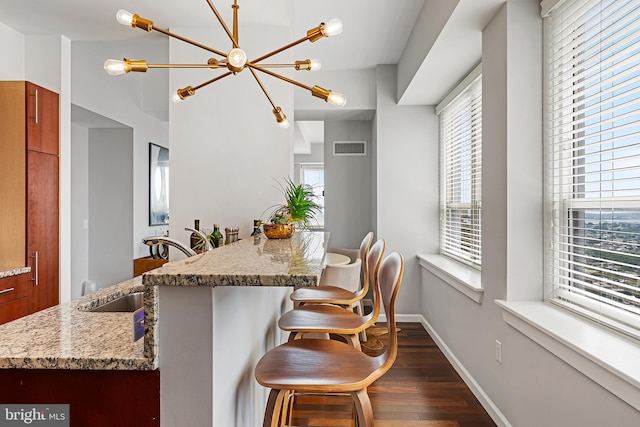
x,y
461,171
593,151
312,174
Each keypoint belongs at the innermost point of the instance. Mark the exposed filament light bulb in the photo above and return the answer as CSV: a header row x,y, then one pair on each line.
x,y
124,17
333,27
337,99
114,67
315,65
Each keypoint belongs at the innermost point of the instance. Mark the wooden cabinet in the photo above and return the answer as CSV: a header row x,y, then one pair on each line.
x,y
14,301
29,117
43,123
43,228
95,398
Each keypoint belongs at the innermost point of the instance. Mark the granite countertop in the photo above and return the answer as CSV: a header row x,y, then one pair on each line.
x,y
67,337
293,262
13,271
250,262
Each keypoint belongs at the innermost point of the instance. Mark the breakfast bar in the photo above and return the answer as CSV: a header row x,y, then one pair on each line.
x,y
209,318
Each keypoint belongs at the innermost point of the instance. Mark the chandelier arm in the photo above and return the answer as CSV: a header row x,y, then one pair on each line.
x,y
276,75
224,25
213,80
277,65
263,88
283,48
235,8
186,40
212,66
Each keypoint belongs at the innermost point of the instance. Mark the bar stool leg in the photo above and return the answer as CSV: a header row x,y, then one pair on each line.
x,y
273,413
363,409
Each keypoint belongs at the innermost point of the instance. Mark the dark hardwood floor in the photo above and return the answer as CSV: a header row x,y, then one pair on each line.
x,y
421,389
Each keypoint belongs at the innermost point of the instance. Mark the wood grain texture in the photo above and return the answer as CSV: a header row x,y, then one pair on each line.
x,y
142,265
12,173
14,309
43,226
95,398
330,366
43,123
421,390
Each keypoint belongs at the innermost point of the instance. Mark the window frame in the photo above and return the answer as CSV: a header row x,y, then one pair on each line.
x,y
452,244
566,192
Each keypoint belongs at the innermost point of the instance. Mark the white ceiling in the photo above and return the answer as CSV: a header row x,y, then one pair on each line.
x,y
375,31
361,45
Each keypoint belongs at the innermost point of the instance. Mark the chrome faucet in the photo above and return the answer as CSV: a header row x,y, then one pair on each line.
x,y
157,241
207,243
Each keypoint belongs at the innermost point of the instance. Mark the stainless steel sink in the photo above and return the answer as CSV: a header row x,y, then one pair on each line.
x,y
125,303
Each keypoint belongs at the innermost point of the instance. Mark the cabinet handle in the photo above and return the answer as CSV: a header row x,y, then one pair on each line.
x,y
35,268
4,291
36,106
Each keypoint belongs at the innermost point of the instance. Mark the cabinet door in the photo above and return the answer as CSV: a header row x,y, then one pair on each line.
x,y
14,310
43,228
43,123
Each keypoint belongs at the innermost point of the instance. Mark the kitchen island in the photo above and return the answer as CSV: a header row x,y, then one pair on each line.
x,y
208,319
217,314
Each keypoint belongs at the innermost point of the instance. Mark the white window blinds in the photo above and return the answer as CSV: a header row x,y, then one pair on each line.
x,y
593,83
461,173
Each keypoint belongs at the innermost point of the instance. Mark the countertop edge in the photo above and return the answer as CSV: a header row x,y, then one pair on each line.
x,y
13,271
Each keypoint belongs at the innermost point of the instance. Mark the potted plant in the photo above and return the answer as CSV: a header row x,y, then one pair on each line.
x,y
300,208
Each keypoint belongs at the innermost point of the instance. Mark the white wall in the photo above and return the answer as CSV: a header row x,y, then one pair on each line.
x,y
347,184
407,205
227,154
110,192
12,45
120,98
531,387
79,209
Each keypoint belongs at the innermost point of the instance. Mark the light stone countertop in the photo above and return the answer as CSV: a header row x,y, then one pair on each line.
x,y
68,337
13,271
293,262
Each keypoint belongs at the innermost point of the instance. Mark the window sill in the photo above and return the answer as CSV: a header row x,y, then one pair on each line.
x,y
602,355
459,276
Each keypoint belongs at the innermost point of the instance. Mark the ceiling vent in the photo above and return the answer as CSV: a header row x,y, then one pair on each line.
x,y
349,148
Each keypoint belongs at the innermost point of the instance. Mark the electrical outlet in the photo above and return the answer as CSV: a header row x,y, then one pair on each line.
x,y
498,351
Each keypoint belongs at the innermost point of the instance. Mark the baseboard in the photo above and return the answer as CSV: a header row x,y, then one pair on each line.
x,y
491,408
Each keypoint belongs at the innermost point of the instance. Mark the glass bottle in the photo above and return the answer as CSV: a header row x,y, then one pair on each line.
x,y
195,241
256,228
217,239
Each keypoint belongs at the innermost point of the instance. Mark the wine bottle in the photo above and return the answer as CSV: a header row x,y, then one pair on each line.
x,y
217,239
195,241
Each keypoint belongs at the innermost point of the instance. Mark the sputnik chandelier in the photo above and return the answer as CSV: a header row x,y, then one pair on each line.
x,y
235,61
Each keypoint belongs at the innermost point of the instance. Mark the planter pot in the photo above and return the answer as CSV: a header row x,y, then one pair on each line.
x,y
278,231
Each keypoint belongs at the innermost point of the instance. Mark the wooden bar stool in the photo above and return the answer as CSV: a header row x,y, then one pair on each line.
x,y
338,280
330,366
333,319
331,294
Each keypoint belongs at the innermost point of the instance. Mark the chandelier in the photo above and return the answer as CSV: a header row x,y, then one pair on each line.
x,y
234,61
